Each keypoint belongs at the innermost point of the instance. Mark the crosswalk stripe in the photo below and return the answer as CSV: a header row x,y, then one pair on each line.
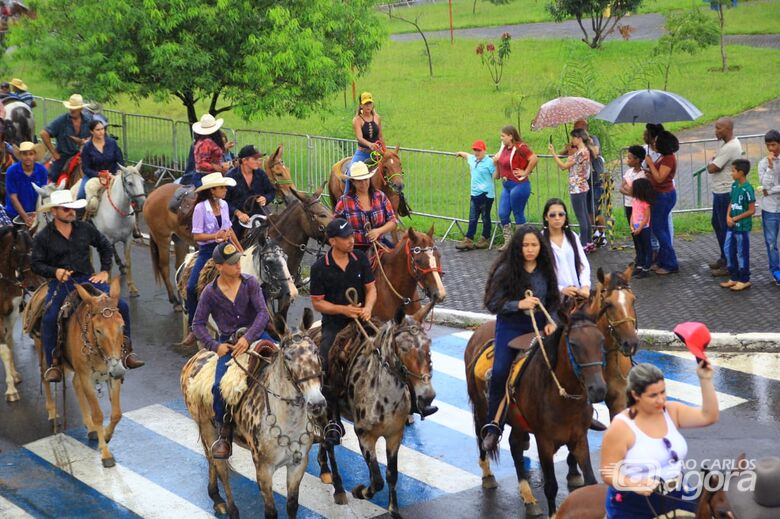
x,y
312,495
8,510
119,483
762,364
465,334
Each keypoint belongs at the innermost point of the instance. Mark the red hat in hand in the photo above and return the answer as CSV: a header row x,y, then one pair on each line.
x,y
696,337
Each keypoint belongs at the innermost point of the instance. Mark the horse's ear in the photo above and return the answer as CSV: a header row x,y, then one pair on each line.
x,y
41,191
116,288
423,312
138,166
600,275
399,315
281,325
299,196
278,152
84,294
317,194
307,319
430,232
122,169
410,235
628,272
397,148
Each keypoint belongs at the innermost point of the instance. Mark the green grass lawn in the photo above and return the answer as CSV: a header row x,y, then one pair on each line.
x,y
758,17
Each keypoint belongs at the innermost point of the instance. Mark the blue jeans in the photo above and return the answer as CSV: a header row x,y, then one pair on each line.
x,y
737,249
644,252
204,254
579,204
82,188
594,196
720,208
771,224
513,199
503,356
54,302
56,166
631,505
191,179
480,205
654,240
659,224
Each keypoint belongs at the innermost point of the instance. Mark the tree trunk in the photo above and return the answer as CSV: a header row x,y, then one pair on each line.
x,y
188,100
474,8
723,57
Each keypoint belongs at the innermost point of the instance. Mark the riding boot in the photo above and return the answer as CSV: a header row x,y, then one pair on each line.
x,y
130,359
223,447
428,410
137,231
189,340
491,435
506,231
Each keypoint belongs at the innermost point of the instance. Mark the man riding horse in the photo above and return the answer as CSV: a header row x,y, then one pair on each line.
x,y
61,254
70,130
21,197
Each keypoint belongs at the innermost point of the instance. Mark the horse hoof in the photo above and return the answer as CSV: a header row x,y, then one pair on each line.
x,y
340,498
489,482
92,436
327,478
108,462
12,397
575,482
357,492
108,437
394,513
221,509
533,510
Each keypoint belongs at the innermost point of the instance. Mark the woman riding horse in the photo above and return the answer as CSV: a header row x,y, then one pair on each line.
x,y
571,264
208,150
368,129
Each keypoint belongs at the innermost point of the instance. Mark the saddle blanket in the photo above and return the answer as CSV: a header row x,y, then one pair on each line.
x,y
484,366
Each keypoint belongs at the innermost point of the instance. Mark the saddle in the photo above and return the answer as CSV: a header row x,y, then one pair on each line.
x,y
182,204
346,346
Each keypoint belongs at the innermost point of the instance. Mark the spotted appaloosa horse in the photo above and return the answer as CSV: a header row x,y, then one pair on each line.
x,y
283,400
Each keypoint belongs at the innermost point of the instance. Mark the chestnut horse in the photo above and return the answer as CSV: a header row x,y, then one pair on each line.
x,y
571,359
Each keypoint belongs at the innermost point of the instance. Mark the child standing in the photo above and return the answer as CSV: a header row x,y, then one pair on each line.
x,y
739,222
769,177
643,196
634,158
483,192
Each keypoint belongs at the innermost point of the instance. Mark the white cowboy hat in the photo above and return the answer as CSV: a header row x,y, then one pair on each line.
x,y
63,198
39,149
215,180
359,171
763,501
18,83
76,102
207,125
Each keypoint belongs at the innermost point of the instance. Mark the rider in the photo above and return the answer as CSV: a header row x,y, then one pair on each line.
x,y
643,447
367,126
253,190
363,206
70,130
20,195
208,150
526,264
233,301
571,264
100,157
20,92
61,253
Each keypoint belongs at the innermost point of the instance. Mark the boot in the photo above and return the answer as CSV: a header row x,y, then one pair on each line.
x,y
223,447
189,340
466,244
428,410
130,359
595,425
506,231
491,435
483,243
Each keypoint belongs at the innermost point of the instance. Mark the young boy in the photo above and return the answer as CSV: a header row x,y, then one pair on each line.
x,y
769,178
742,207
483,192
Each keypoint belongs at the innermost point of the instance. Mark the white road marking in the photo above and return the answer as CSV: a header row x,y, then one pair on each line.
x,y
765,365
8,510
465,334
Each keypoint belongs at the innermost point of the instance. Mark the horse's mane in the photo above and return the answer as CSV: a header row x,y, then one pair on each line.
x,y
550,343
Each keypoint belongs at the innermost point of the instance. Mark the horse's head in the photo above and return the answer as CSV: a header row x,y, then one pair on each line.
x,y
42,217
16,243
271,263
616,309
424,263
318,215
391,180
133,184
585,346
278,172
102,327
302,361
412,348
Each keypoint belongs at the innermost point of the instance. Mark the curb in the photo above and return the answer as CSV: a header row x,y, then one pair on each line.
x,y
651,339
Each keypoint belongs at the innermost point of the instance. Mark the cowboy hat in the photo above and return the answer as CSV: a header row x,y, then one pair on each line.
x,y
39,149
696,338
63,198
207,125
759,498
359,171
18,83
215,180
76,102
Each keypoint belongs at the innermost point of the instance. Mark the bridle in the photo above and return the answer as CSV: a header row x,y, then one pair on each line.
x,y
90,346
278,181
379,158
269,280
314,225
575,364
131,197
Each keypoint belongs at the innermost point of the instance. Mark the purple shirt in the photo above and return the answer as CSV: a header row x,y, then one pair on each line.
x,y
248,309
204,221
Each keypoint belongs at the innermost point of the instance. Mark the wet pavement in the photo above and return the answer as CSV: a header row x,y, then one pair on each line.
x,y
161,471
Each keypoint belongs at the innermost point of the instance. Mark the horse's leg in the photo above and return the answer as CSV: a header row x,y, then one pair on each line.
x,y
546,453
574,479
393,444
92,434
322,459
223,471
516,447
131,288
164,263
368,448
116,408
208,436
339,495
265,475
97,420
581,450
7,356
51,409
118,259
294,476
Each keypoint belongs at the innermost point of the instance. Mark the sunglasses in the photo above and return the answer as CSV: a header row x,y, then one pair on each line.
x,y
673,455
67,209
556,215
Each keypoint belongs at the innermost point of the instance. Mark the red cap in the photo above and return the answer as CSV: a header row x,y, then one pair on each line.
x,y
479,146
695,336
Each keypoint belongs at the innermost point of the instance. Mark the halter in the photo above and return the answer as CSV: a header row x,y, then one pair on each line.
x,y
577,366
302,246
131,197
396,365
411,266
380,164
281,181
90,347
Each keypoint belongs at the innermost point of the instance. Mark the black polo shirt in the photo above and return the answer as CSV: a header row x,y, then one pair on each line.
x,y
330,283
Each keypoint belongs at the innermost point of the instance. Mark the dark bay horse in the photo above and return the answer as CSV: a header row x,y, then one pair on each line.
x,y
572,357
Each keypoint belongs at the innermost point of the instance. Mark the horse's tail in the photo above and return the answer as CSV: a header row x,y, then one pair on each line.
x,y
154,250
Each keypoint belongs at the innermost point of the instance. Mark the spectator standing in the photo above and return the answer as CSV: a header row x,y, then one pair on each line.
x,y
483,192
643,196
634,158
596,170
739,222
514,163
578,166
651,132
662,173
769,178
70,130
720,181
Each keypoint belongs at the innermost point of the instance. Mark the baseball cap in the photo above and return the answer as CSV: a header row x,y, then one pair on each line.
x,y
226,253
366,97
339,228
250,151
479,145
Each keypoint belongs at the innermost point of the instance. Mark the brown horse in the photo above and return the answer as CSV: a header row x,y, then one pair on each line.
x,y
415,260
570,360
389,179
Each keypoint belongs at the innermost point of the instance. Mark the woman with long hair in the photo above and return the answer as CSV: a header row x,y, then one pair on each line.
x,y
571,265
514,163
208,148
525,264
367,126
578,166
661,175
100,153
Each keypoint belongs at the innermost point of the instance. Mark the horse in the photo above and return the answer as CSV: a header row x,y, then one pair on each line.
x,y
42,218
279,174
15,277
382,377
19,122
415,260
92,351
552,399
283,400
115,216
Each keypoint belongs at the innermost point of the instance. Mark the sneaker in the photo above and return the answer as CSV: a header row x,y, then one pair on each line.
x,y
776,276
728,284
483,243
739,286
641,274
719,272
716,265
466,244
662,271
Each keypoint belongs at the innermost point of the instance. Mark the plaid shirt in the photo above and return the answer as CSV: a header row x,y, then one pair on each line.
x,y
207,156
4,220
381,212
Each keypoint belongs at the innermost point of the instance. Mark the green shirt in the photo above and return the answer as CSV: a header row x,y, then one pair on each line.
x,y
742,195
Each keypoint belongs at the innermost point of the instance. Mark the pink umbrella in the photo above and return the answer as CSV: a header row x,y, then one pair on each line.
x,y
564,110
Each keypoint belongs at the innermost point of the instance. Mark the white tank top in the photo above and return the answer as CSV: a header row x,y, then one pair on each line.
x,y
650,456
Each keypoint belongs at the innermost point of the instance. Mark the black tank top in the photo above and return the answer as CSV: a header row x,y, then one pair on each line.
x,y
370,131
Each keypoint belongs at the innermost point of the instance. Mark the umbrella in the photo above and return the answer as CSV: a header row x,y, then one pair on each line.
x,y
649,106
562,110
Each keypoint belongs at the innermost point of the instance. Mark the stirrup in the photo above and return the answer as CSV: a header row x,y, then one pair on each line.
x,y
332,427
51,368
486,429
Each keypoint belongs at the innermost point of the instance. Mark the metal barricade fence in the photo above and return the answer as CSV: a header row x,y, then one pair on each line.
x,y
295,152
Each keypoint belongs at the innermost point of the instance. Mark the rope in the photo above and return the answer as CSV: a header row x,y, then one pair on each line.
x,y
404,300
352,296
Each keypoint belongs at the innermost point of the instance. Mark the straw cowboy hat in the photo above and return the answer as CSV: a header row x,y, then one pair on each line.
x,y
39,149
76,102
763,501
207,125
63,198
18,83
359,171
215,180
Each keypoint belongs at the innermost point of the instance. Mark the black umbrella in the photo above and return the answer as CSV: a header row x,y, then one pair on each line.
x,y
649,106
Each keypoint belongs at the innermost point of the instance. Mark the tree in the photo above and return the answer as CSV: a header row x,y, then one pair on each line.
x,y
721,5
689,32
416,25
249,56
601,24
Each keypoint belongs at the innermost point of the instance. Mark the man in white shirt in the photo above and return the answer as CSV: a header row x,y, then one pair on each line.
x,y
769,177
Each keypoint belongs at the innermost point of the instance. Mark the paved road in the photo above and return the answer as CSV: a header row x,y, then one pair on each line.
x,y
161,470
